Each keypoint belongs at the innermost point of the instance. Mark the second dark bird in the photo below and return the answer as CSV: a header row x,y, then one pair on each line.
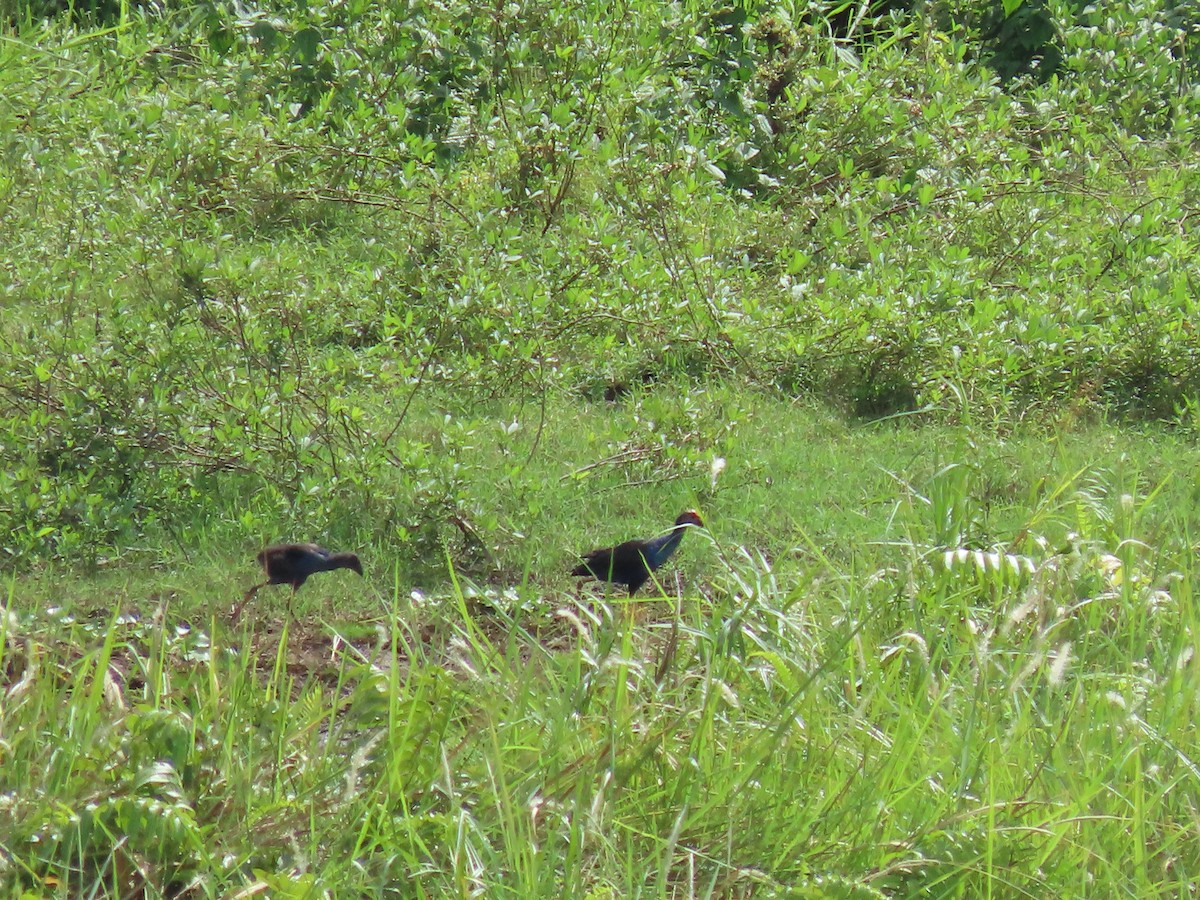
x,y
632,562
293,563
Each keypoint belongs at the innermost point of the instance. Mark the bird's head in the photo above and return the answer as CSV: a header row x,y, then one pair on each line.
x,y
345,561
691,517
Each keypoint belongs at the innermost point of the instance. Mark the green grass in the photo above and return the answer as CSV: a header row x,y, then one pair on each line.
x,y
470,290
860,716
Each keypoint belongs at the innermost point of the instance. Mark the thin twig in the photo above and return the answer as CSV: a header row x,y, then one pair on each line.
x,y
635,454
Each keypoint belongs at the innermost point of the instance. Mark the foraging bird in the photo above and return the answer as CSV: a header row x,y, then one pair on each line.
x,y
293,563
632,562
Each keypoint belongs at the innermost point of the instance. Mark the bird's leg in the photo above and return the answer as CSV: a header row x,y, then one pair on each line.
x,y
233,617
668,654
630,607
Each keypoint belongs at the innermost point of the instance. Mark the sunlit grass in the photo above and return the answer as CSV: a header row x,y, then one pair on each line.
x,y
912,717
469,305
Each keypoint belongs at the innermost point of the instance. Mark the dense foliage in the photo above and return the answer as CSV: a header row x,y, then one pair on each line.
x,y
906,304
239,241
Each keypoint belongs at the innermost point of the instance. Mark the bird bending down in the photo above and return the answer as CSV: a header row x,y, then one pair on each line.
x,y
632,562
293,563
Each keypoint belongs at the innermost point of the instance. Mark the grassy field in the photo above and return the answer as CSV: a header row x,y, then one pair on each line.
x,y
471,290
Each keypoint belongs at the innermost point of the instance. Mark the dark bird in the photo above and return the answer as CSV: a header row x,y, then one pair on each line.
x,y
632,562
293,563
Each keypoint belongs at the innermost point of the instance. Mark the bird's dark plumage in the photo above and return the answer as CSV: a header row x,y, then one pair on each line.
x,y
632,562
293,563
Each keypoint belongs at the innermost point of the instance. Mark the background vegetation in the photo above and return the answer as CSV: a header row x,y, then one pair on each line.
x,y
903,299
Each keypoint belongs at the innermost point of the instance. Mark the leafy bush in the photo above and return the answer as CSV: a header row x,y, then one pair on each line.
x,y
257,252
